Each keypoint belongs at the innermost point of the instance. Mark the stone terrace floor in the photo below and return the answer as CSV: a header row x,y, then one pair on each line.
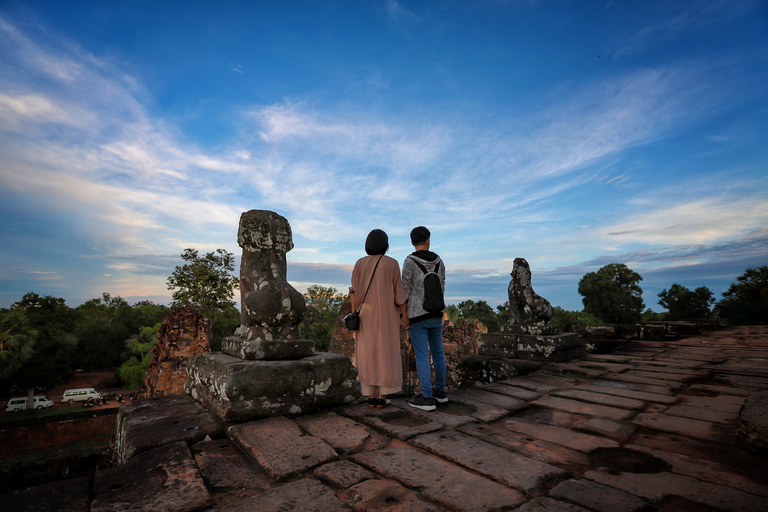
x,y
648,427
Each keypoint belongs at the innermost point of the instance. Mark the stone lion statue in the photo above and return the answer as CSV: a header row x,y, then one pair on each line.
x,y
524,304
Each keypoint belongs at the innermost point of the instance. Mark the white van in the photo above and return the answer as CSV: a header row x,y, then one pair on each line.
x,y
78,395
19,403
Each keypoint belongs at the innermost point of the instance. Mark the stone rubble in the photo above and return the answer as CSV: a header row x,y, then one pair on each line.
x,y
652,426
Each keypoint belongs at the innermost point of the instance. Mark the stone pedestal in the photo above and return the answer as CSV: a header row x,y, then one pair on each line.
x,y
238,389
555,347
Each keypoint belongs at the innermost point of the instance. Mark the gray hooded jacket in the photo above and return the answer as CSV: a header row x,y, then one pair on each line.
x,y
413,283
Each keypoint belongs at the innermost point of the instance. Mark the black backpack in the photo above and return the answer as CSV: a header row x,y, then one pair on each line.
x,y
433,291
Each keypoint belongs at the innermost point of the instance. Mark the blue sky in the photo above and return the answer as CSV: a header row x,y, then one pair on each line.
x,y
572,134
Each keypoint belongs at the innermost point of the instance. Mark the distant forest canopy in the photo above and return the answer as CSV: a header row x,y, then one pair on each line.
x,y
43,341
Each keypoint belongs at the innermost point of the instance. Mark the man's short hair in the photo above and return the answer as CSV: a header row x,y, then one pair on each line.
x,y
377,242
419,235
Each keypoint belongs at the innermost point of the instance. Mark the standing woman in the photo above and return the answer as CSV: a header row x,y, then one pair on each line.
x,y
377,343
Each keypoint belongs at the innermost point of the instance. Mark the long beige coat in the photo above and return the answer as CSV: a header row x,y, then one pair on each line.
x,y
377,343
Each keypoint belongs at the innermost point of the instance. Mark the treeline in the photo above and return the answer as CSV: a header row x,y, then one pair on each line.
x,y
43,341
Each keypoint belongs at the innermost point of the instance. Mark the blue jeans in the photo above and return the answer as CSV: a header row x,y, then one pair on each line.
x,y
427,336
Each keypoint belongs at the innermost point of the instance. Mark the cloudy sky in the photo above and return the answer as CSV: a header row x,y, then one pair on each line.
x,y
572,134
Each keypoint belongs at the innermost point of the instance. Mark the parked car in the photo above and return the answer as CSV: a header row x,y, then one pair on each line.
x,y
19,403
78,395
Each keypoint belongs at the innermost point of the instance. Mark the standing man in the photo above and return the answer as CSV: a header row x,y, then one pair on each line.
x,y
426,319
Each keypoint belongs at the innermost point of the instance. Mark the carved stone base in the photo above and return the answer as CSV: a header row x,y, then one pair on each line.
x,y
560,347
257,350
534,328
236,389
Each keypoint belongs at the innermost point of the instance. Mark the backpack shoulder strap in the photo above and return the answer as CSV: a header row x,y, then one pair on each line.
x,y
423,269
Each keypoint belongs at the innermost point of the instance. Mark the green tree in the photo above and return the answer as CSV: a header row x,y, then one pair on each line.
x,y
746,302
103,326
650,315
504,314
684,304
453,313
17,341
323,308
613,294
572,321
55,342
205,282
140,346
481,312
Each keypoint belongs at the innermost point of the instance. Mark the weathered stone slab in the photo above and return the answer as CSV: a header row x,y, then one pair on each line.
x,y
148,423
386,496
752,432
544,451
617,430
698,413
235,389
343,474
460,410
579,407
343,434
70,495
279,447
543,504
724,403
600,398
227,471
706,470
585,371
513,391
559,347
306,495
398,422
165,478
685,426
504,466
475,396
440,481
486,368
598,497
540,383
564,437
657,486
624,390
637,379
720,390
267,350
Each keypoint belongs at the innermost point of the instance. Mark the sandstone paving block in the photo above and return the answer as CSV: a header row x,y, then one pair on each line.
x,y
544,504
502,465
227,471
148,423
462,409
386,496
306,495
637,379
679,425
698,413
523,444
706,470
579,407
664,376
626,392
540,385
719,390
675,373
342,474
725,403
440,481
162,479
564,437
617,430
70,495
397,422
598,497
657,486
279,447
746,382
600,398
609,358
343,434
513,391
656,389
587,371
474,396
603,366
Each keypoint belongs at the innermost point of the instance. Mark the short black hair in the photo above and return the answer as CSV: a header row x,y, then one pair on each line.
x,y
419,235
377,242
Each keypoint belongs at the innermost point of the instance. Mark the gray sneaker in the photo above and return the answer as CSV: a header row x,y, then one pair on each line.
x,y
425,404
440,397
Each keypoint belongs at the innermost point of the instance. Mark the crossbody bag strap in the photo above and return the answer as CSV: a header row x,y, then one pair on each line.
x,y
369,283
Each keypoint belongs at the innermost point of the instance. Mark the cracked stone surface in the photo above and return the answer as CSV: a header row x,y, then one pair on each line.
x,y
652,426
